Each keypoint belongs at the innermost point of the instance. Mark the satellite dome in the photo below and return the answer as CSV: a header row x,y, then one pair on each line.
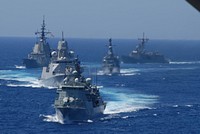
x,y
54,54
88,80
74,72
76,80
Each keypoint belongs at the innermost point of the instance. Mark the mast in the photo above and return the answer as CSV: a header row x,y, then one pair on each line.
x,y
143,40
63,36
42,34
110,50
63,48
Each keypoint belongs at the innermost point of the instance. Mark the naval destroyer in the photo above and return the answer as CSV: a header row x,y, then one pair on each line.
x,y
62,62
139,55
40,56
111,63
77,98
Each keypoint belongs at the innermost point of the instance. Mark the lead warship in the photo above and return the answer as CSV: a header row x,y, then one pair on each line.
x,y
139,55
62,62
78,99
111,63
40,56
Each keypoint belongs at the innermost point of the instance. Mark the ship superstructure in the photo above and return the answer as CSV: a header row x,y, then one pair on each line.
x,y
62,61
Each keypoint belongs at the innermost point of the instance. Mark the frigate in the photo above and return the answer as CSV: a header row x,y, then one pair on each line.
x,y
78,99
139,55
111,63
62,61
40,56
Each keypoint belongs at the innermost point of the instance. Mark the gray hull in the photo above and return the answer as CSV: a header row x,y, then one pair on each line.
x,y
31,63
79,114
144,59
111,70
54,81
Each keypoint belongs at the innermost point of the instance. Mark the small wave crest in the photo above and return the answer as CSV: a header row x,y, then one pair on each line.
x,y
100,72
188,105
20,67
129,72
123,72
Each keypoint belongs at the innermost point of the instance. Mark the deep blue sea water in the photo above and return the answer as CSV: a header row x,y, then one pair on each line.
x,y
144,98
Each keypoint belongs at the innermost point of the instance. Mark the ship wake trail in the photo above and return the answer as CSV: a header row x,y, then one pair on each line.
x,y
54,118
129,72
20,78
120,100
186,62
124,72
19,67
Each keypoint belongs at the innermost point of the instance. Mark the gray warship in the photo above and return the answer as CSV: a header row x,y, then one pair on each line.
x,y
139,55
40,56
111,63
78,99
62,62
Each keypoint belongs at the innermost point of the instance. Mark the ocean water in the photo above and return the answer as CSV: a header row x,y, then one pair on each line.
x,y
144,98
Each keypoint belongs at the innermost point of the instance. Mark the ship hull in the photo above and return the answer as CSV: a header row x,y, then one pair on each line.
x,y
79,114
144,59
31,63
53,81
111,70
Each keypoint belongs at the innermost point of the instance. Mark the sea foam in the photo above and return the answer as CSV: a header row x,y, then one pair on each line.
x,y
120,100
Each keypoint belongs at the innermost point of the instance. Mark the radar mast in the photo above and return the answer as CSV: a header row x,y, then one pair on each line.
x,y
110,50
143,40
42,34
